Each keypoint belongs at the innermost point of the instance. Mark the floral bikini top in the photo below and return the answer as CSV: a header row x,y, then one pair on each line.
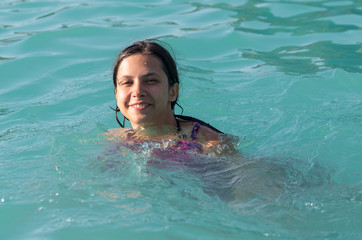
x,y
166,148
188,145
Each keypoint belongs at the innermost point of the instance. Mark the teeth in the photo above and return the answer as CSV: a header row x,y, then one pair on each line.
x,y
140,105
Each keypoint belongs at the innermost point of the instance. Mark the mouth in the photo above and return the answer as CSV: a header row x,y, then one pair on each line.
x,y
140,106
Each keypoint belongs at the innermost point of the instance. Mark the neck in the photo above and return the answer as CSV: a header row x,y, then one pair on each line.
x,y
155,131
152,130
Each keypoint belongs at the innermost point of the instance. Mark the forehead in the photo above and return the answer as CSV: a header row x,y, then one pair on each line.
x,y
139,64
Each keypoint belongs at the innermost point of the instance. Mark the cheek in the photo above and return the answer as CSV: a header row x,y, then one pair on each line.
x,y
121,97
162,95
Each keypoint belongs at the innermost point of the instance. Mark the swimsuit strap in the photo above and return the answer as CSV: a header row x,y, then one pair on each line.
x,y
194,131
179,129
178,125
188,118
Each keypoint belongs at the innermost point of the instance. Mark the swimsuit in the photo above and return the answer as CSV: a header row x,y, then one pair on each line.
x,y
187,145
180,152
171,152
165,149
194,131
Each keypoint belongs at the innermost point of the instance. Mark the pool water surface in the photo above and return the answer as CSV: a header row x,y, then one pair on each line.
x,y
285,77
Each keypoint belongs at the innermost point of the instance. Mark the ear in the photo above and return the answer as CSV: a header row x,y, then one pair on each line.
x,y
173,92
115,91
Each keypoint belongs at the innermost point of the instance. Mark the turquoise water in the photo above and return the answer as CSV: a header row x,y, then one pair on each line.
x,y
283,76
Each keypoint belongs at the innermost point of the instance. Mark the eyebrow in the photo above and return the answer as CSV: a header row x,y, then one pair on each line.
x,y
150,74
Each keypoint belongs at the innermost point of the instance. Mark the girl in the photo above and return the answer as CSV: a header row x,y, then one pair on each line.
x,y
146,86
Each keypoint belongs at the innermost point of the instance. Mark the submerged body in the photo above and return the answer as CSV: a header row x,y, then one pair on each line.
x,y
194,138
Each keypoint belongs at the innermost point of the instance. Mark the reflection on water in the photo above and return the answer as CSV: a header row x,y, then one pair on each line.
x,y
311,58
305,23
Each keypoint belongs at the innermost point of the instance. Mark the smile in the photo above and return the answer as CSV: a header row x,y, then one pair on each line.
x,y
140,106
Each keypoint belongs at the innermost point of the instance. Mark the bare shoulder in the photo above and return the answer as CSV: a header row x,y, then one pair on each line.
x,y
219,143
116,133
208,134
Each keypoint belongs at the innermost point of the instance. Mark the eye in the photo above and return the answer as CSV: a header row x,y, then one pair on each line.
x,y
125,83
152,81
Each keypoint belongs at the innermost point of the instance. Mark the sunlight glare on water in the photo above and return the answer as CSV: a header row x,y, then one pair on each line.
x,y
282,76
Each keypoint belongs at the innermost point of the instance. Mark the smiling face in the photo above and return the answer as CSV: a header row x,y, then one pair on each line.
x,y
143,92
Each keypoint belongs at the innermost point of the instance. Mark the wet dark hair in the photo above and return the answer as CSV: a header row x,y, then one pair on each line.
x,y
154,48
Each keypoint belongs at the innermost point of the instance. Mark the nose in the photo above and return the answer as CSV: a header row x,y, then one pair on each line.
x,y
138,89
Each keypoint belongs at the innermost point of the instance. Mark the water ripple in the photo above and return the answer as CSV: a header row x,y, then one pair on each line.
x,y
282,75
